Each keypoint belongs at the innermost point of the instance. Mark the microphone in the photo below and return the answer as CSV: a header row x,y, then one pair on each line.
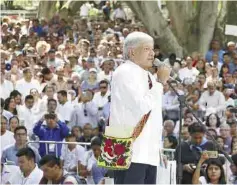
x,y
157,63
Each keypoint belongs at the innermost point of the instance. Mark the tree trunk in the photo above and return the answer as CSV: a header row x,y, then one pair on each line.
x,y
219,32
231,18
151,16
207,20
47,9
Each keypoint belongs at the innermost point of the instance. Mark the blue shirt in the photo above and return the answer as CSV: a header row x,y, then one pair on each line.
x,y
9,154
98,173
210,53
38,30
86,86
232,67
47,134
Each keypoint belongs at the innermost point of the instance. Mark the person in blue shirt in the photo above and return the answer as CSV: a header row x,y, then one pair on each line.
x,y
54,130
215,48
36,27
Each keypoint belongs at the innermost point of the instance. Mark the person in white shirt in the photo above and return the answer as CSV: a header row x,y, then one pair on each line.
x,y
134,93
3,112
49,93
85,112
101,98
106,73
6,172
6,137
6,87
188,72
65,107
29,172
72,154
171,103
212,100
27,116
216,63
119,13
27,83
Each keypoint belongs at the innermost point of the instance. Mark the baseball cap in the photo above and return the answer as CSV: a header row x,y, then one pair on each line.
x,y
93,70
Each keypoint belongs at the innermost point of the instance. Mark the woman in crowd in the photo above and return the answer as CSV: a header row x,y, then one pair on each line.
x,y
220,140
214,172
13,123
224,70
170,142
91,83
213,121
10,105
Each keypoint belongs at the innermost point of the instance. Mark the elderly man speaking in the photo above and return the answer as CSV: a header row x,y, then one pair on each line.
x,y
135,93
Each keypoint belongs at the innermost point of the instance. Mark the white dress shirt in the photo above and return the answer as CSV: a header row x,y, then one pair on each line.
x,y
7,172
102,76
34,177
99,100
80,119
65,110
215,101
6,88
188,73
28,117
7,139
131,99
171,101
24,87
71,158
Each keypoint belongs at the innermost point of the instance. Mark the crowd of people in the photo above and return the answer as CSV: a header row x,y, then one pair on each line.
x,y
55,86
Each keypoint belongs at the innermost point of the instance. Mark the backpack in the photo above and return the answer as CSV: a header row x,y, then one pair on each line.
x,y
78,179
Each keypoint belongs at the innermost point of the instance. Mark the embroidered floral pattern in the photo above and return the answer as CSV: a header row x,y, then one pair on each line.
x,y
115,153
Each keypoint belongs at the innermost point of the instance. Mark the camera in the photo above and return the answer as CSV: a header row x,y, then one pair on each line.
x,y
50,116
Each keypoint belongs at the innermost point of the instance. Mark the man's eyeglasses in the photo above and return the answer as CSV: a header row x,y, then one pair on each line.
x,y
103,87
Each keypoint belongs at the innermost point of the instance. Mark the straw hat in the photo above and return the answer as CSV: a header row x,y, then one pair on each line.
x,y
42,47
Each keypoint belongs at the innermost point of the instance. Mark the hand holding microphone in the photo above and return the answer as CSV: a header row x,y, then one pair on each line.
x,y
163,71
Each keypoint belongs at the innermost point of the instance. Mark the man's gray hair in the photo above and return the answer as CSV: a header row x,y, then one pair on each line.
x,y
169,121
133,40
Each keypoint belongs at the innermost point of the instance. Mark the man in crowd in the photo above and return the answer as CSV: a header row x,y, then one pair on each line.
x,y
29,172
85,112
20,136
6,136
27,83
65,107
212,99
27,115
191,150
54,173
54,130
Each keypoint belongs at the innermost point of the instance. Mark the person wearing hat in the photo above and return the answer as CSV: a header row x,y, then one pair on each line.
x,y
106,73
91,83
232,48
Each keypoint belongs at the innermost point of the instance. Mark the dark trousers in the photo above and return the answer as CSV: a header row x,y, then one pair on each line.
x,y
136,174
